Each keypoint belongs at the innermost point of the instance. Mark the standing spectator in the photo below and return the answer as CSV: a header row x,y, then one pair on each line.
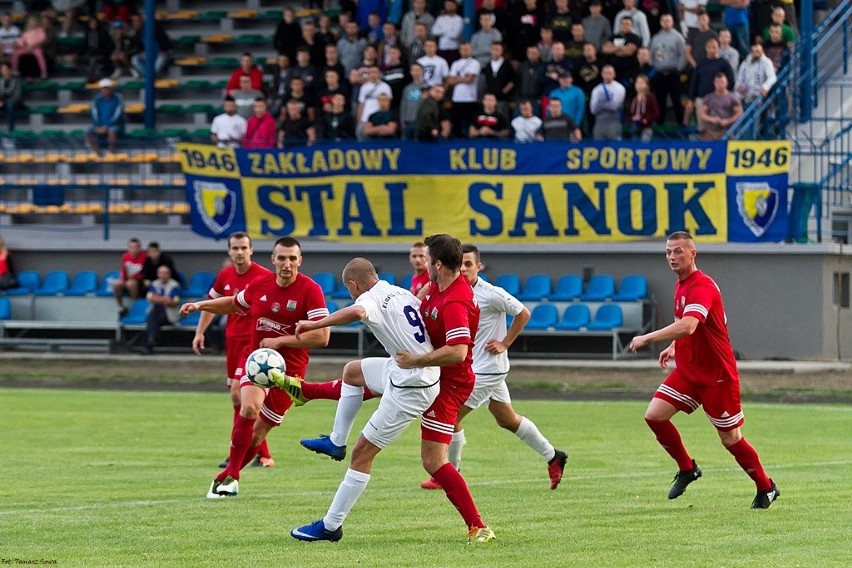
x,y
417,15
572,97
622,51
412,97
368,98
720,110
228,128
589,74
366,8
417,47
391,40
489,123
295,129
332,87
154,259
287,34
482,39
644,111
7,269
726,52
500,78
574,46
312,42
126,46
245,96
606,104
755,76
788,33
689,12
247,67
130,275
97,50
9,35
107,117
162,48
500,9
375,34
332,62
325,34
280,89
305,69
448,29
776,49
383,123
305,98
525,19
260,128
545,43
337,123
395,74
553,68
596,27
638,19
735,18
464,80
351,47
668,56
701,82
31,42
696,42
435,67
560,21
558,126
529,79
433,124
119,10
10,94
527,126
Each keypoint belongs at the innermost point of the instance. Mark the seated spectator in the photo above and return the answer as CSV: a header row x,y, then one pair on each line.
x,y
412,96
9,35
720,110
755,76
481,40
130,275
638,19
383,123
337,123
435,67
245,96
464,80
260,128
162,46
433,123
596,27
527,126
701,81
779,17
558,126
726,51
228,128
644,110
417,15
696,43
126,46
31,43
107,117
295,128
164,297
489,123
448,28
96,51
153,261
572,97
10,94
7,269
288,34
247,67
606,104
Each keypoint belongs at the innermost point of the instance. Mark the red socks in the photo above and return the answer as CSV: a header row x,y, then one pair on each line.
x,y
263,450
748,459
669,438
329,390
459,495
240,442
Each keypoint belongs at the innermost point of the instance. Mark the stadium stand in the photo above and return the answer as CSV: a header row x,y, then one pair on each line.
x,y
575,318
632,287
55,283
510,283
543,317
607,318
85,283
568,287
536,287
28,280
600,287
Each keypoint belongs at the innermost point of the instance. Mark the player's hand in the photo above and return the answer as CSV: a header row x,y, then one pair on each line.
x,y
405,360
665,355
495,347
188,308
303,325
198,343
272,342
637,343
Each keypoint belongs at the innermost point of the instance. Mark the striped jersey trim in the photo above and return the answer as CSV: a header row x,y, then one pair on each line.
x,y
213,294
698,308
241,299
457,332
678,396
273,417
728,421
436,426
318,313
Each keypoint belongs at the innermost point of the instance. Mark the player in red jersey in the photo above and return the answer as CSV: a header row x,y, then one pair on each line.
x,y
451,317
275,303
420,278
230,280
706,374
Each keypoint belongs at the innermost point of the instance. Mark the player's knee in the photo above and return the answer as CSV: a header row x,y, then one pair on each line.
x,y
730,437
249,410
510,423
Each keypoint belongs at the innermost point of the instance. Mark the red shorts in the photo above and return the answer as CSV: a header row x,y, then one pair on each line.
x,y
237,350
439,420
275,405
721,401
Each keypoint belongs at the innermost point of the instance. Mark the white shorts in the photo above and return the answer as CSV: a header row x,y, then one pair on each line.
x,y
488,388
399,407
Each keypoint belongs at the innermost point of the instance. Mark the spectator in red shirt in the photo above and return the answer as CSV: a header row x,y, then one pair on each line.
x,y
247,67
130,275
260,129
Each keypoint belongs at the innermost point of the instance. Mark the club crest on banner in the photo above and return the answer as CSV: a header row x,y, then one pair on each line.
x,y
216,205
757,204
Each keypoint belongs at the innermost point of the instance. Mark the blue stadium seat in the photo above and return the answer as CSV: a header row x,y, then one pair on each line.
x,y
632,287
28,280
576,316
406,281
332,306
55,283
325,281
388,277
199,285
600,288
608,316
510,283
105,287
340,293
543,316
85,283
536,288
568,288
5,309
137,313
191,320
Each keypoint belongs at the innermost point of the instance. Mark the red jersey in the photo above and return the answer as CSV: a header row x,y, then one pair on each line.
x,y
706,356
275,311
229,282
451,318
418,281
131,266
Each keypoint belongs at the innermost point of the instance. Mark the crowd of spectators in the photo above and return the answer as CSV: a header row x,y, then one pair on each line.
x,y
532,70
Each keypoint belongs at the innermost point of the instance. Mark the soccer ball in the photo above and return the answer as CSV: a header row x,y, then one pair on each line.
x,y
260,362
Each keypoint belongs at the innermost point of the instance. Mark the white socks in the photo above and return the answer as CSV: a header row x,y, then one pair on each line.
x,y
529,434
351,398
354,483
455,451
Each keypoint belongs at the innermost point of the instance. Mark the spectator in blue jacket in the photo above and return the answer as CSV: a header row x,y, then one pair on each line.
x,y
107,117
572,97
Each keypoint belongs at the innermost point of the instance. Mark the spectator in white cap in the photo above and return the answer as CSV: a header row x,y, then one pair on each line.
x,y
107,117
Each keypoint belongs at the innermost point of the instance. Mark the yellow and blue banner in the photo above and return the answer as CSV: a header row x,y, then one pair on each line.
x,y
499,192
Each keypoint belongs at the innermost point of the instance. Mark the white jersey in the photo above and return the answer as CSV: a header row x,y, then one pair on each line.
x,y
494,303
393,316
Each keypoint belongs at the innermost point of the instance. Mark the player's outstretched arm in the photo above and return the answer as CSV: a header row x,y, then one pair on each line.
x,y
203,323
340,317
680,328
220,306
446,355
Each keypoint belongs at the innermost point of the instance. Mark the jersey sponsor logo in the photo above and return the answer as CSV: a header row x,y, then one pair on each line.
x,y
266,324
291,305
757,204
276,307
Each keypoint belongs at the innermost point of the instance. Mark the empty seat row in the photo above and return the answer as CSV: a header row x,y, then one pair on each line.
x,y
576,317
569,287
87,283
138,313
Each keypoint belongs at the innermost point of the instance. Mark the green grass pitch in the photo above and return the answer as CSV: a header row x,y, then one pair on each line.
x,y
99,478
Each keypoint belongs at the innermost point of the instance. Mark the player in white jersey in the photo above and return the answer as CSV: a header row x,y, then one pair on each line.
x,y
491,366
393,316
